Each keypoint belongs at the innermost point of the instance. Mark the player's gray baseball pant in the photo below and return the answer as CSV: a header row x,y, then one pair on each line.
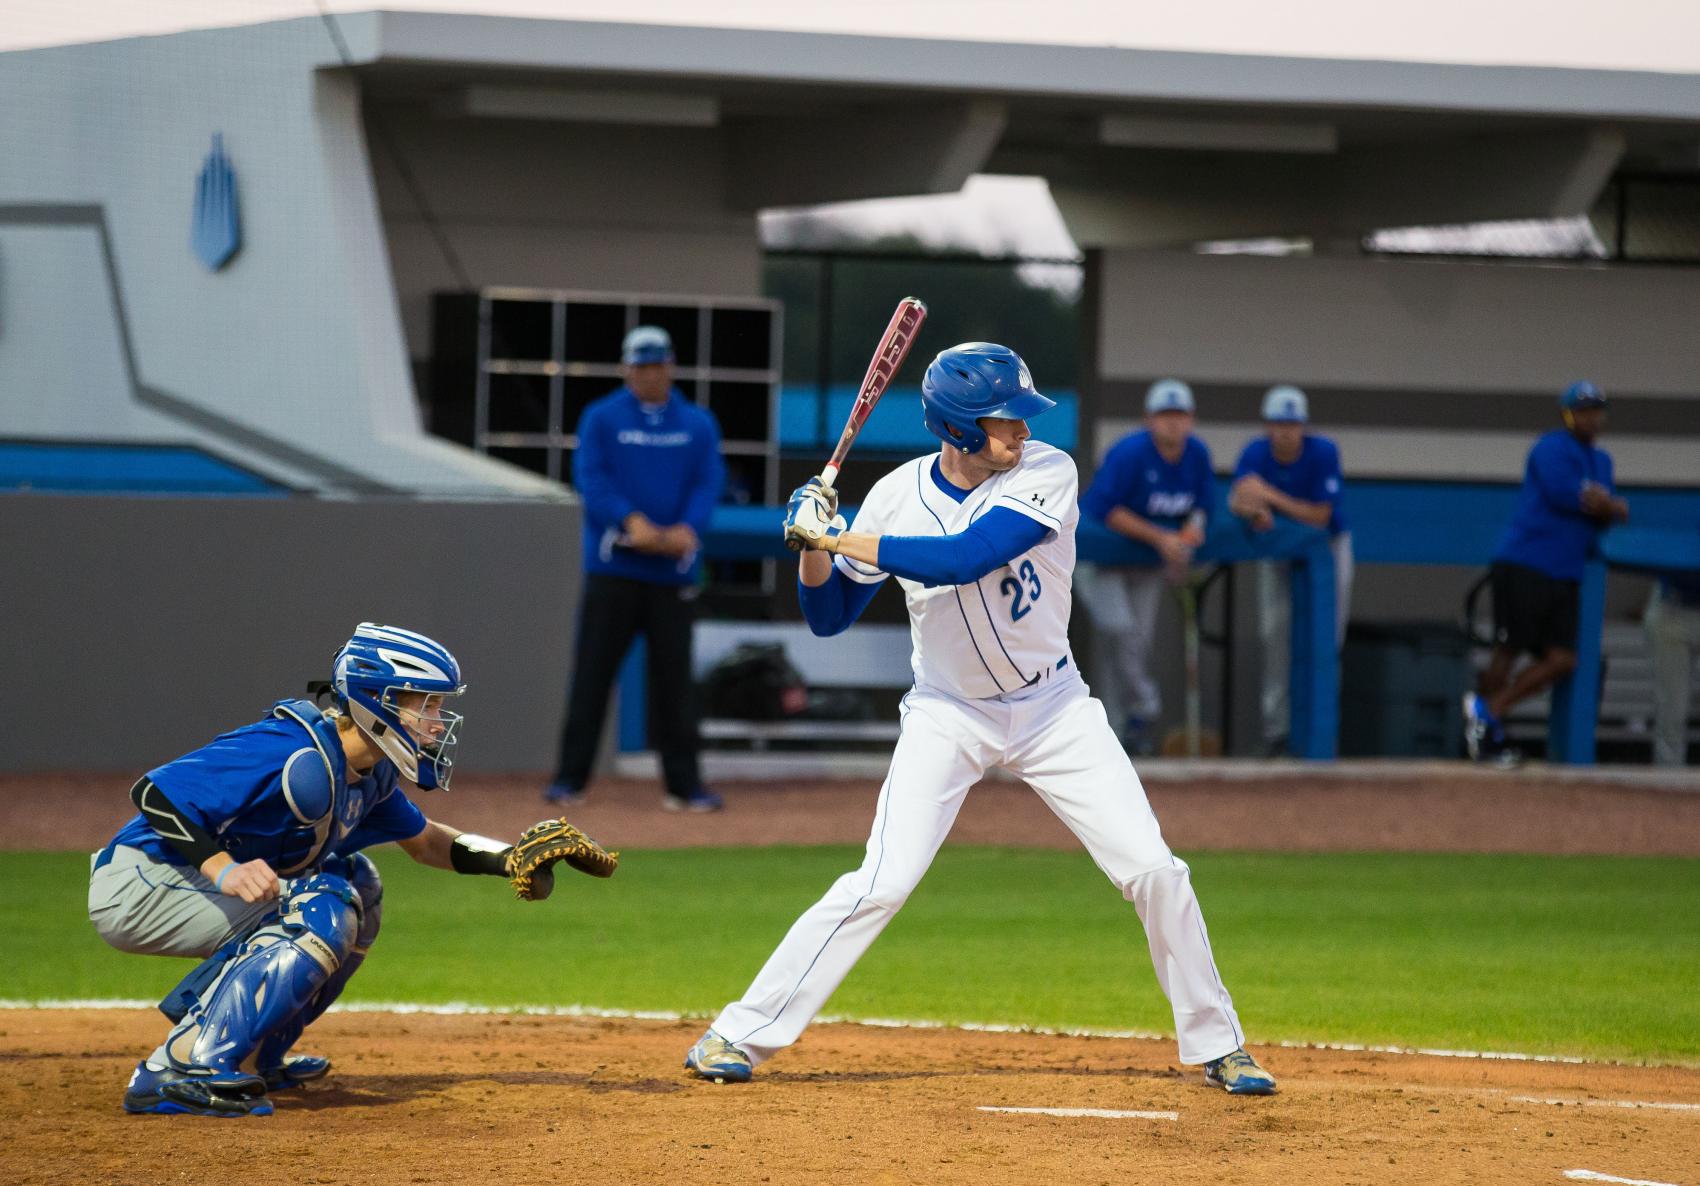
x,y
1673,635
1274,626
1055,737
152,907
1123,603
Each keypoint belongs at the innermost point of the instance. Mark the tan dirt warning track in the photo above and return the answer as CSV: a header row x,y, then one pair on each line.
x,y
1440,807
561,1100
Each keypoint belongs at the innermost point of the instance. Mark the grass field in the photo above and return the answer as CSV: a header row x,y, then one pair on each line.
x,y
1588,956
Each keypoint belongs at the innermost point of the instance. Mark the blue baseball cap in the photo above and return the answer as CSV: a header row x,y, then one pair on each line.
x,y
1168,395
1285,404
1581,394
646,345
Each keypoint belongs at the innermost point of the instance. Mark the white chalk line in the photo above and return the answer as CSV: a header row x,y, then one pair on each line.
x,y
1591,1176
1093,1113
1573,1103
465,1008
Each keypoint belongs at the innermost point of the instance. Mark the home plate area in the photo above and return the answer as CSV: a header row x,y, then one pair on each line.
x,y
521,1099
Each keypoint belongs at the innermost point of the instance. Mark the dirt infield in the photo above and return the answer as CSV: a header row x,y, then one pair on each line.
x,y
1436,807
523,1100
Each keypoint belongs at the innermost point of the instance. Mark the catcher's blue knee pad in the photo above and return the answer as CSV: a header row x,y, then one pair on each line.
x,y
362,876
272,977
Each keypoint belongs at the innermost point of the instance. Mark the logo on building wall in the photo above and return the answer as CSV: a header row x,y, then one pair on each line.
x,y
216,233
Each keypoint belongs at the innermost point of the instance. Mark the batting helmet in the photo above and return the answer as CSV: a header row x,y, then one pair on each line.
x,y
973,381
371,668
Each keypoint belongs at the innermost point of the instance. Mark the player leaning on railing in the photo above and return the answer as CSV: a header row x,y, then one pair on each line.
x,y
980,535
246,853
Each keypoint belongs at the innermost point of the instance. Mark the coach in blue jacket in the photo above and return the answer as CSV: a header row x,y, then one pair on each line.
x,y
1568,499
649,471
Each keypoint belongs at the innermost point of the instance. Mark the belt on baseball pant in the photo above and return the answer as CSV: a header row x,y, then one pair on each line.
x,y
1044,672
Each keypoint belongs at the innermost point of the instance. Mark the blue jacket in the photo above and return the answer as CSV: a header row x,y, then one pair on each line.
x,y
1548,531
1134,475
1314,476
235,788
664,462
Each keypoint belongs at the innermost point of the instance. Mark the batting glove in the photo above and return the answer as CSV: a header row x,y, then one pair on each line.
x,y
808,524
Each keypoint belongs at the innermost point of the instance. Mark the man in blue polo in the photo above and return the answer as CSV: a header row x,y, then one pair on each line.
x,y
1154,486
649,472
1293,473
1568,500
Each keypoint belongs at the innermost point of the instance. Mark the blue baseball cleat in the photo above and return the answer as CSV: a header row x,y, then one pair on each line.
x,y
294,1071
713,1057
563,794
163,1091
701,799
1239,1074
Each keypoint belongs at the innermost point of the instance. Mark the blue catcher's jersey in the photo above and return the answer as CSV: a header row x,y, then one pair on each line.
x,y
1314,475
1134,475
276,791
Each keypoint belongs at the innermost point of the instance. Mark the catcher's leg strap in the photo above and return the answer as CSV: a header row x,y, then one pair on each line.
x,y
181,999
272,978
363,877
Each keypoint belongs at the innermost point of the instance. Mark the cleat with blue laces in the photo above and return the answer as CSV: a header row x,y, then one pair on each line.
x,y
713,1057
1239,1074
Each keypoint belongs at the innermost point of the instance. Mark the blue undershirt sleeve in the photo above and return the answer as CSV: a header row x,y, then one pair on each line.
x,y
994,539
830,608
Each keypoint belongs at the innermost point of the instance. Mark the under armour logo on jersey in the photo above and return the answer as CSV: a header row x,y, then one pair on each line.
x,y
1037,501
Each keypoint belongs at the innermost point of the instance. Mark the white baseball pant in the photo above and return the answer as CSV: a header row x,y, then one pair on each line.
x,y
1056,737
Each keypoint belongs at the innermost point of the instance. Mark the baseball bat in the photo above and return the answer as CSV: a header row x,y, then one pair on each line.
x,y
882,368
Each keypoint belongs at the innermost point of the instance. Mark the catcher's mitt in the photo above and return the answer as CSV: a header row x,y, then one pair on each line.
x,y
530,863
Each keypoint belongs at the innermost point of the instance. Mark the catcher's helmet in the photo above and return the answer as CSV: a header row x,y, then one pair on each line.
x,y
975,380
371,668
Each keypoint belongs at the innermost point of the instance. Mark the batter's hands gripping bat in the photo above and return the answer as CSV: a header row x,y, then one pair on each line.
x,y
888,357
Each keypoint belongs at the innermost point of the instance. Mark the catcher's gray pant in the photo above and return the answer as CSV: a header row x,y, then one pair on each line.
x,y
152,907
1673,634
1055,737
1123,604
1274,626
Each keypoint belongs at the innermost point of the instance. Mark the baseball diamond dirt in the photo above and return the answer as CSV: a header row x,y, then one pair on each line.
x,y
521,1099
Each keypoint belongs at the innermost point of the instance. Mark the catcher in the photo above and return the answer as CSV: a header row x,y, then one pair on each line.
x,y
246,854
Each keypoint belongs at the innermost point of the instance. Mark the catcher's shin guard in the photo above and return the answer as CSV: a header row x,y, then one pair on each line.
x,y
272,978
280,1071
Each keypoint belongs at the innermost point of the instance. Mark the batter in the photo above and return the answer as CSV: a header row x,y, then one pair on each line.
x,y
980,537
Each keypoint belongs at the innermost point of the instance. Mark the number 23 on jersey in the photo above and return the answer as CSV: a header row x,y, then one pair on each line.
x,y
1015,590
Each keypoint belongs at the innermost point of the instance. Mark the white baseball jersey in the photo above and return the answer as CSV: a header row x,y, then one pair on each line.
x,y
1009,629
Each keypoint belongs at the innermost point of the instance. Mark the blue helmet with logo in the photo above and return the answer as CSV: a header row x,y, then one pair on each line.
x,y
972,381
375,665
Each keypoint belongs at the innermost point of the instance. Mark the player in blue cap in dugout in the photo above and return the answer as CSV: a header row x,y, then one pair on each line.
x,y
1568,500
